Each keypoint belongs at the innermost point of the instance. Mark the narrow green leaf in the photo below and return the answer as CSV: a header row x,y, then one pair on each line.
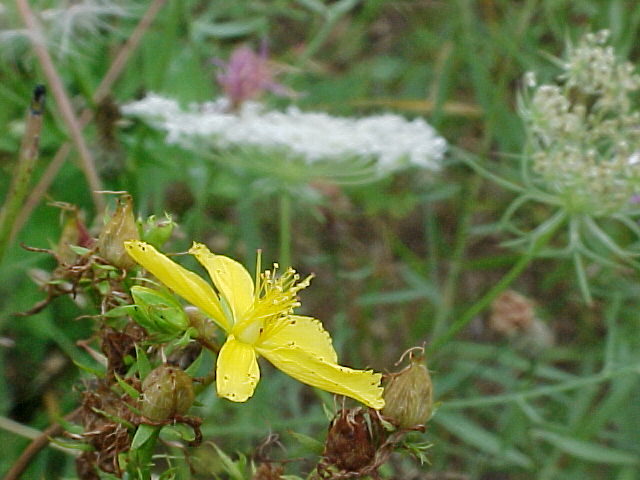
x,y
93,371
128,389
592,452
144,434
481,438
311,444
230,466
144,366
79,250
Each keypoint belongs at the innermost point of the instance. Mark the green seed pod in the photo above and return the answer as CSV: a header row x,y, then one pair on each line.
x,y
157,232
120,227
409,395
166,392
158,311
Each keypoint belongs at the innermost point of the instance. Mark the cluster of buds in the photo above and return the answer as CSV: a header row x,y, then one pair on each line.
x,y
94,266
584,135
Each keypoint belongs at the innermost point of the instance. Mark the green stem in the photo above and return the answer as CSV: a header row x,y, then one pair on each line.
x,y
141,455
485,401
24,170
285,230
444,309
538,243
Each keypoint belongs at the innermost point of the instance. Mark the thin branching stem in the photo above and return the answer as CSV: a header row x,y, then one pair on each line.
x,y
40,441
103,90
540,241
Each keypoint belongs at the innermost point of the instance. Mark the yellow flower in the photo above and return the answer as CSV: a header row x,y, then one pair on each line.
x,y
258,320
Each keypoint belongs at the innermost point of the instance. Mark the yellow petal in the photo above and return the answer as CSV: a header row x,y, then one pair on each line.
x,y
230,278
304,332
237,371
362,385
187,284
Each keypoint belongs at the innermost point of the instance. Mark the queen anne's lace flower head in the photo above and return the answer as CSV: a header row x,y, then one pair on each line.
x,y
389,140
584,131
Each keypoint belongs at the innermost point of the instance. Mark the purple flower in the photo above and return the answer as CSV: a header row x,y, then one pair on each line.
x,y
247,75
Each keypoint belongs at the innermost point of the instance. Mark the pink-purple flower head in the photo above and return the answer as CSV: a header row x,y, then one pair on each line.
x,y
247,75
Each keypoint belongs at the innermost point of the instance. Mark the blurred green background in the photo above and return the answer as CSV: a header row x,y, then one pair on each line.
x,y
396,261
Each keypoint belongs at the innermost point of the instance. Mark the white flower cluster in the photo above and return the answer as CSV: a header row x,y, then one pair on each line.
x,y
584,131
390,140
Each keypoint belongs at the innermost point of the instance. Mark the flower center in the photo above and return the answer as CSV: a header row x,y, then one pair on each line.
x,y
275,298
249,332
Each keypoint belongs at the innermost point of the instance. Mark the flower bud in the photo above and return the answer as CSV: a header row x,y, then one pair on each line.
x,y
157,232
122,226
203,325
158,312
74,232
409,395
166,392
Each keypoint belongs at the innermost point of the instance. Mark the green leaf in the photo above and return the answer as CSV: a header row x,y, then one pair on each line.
x,y
229,29
128,389
179,431
314,5
482,439
231,467
589,451
121,311
144,366
93,371
144,434
312,444
71,444
192,370
79,250
114,418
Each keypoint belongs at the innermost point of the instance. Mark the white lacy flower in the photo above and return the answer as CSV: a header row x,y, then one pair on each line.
x,y
391,140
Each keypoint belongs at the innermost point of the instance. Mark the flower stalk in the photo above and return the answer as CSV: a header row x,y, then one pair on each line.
x,y
29,152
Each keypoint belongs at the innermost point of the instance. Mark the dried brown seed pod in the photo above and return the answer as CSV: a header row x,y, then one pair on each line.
x,y
354,439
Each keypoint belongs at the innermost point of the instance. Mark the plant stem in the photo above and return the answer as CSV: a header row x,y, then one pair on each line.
x,y
448,291
62,100
113,73
537,245
40,441
285,230
27,159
